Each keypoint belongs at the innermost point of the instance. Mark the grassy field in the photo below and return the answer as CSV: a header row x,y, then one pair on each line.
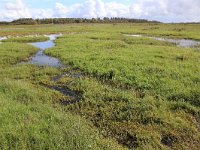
x,y
136,92
25,39
187,31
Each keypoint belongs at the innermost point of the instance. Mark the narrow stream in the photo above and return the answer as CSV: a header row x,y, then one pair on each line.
x,y
40,58
179,42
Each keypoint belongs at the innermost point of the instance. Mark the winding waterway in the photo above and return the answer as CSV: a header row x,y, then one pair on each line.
x,y
42,59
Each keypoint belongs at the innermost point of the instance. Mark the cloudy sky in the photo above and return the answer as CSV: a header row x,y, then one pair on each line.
x,y
161,10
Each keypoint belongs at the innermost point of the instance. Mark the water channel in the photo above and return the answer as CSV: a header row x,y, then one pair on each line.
x,y
42,59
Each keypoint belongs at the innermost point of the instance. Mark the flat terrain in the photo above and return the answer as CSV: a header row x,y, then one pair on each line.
x,y
131,92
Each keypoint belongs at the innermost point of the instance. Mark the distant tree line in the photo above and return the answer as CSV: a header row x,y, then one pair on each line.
x,y
31,21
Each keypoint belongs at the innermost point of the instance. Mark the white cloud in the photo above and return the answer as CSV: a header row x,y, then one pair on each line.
x,y
15,10
88,9
117,10
163,10
41,13
179,10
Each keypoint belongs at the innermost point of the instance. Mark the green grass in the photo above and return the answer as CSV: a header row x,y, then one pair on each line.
x,y
36,126
27,39
136,92
12,53
30,115
139,63
137,122
187,31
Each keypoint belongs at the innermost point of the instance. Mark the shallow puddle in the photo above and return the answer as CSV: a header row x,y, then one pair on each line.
x,y
2,38
179,42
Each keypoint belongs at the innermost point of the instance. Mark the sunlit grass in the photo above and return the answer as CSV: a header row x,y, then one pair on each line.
x,y
25,39
12,53
137,90
144,64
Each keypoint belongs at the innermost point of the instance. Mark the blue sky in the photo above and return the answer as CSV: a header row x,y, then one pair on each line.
x,y
161,10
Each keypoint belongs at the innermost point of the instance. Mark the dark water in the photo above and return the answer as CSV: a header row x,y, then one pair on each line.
x,y
40,58
75,97
68,74
179,42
